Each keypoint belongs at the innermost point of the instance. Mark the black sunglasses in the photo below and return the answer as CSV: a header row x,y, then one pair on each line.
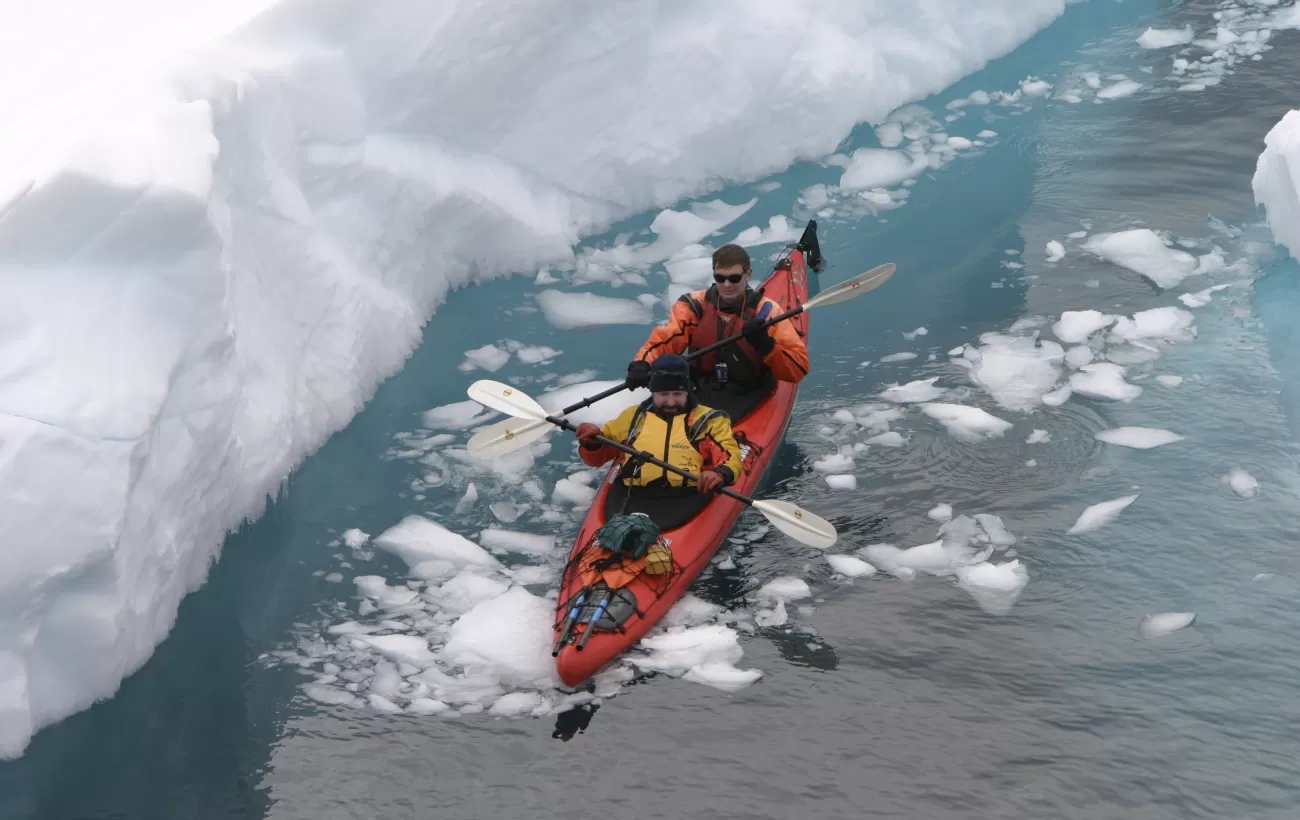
x,y
733,278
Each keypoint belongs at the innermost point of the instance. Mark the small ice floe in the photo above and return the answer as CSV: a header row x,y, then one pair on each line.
x,y
1162,623
920,331
1242,482
897,357
1166,37
1055,251
941,512
842,481
1169,381
1017,371
1139,438
915,392
1200,298
1038,437
1143,251
966,424
850,566
1075,326
1099,515
1104,380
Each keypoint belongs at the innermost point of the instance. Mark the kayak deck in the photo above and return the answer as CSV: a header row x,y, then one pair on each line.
x,y
693,527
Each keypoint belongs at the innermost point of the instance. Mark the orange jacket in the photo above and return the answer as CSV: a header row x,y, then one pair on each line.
x,y
788,361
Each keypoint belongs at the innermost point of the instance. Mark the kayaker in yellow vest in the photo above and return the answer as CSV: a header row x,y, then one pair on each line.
x,y
672,426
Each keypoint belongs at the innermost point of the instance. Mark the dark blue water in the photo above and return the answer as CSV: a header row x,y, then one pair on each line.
x,y
888,697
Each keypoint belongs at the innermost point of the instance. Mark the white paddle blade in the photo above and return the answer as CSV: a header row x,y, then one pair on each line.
x,y
506,436
506,399
798,523
856,286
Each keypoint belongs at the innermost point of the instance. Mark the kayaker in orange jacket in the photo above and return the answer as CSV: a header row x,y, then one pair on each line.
x,y
673,426
700,318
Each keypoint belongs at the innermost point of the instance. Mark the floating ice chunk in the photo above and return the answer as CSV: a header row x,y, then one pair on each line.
x,y
1015,370
994,530
1078,356
1169,381
890,439
1123,88
913,392
994,587
960,143
520,542
1201,298
779,229
572,310
488,357
568,491
355,538
986,134
1166,37
890,134
968,424
416,539
1075,326
849,566
1038,437
468,500
1055,251
941,512
1162,623
539,354
1099,515
723,676
1104,380
842,481
785,588
386,597
897,357
1032,87
514,704
1242,482
1141,250
506,638
776,615
880,168
402,648
1092,79
1165,324
912,334
329,695
833,462
1059,396
1076,235
703,654
690,610
460,415
1139,438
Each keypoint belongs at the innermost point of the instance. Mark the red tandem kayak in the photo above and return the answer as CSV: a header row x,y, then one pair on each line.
x,y
693,531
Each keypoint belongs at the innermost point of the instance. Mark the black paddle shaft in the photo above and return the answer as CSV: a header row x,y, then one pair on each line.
x,y
564,424
619,388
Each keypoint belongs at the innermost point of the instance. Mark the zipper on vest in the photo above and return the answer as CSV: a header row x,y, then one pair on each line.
x,y
668,437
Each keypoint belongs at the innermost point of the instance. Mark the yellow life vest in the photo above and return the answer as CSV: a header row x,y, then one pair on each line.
x,y
672,440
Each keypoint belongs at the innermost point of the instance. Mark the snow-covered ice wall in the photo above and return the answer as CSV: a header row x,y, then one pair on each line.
x,y
222,224
1277,181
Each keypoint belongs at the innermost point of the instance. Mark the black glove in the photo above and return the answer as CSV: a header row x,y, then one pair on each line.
x,y
638,374
756,335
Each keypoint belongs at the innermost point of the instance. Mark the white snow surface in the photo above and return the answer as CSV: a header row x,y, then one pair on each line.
x,y
221,229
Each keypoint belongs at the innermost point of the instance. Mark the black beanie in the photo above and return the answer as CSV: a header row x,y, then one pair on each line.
x,y
670,372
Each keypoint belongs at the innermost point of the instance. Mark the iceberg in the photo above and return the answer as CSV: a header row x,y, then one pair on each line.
x,y
223,225
1276,182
